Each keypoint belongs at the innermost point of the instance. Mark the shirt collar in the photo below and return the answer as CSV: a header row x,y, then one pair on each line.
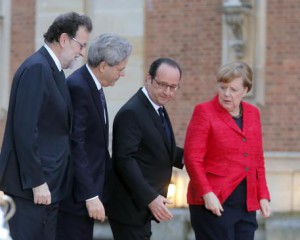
x,y
55,59
98,84
156,107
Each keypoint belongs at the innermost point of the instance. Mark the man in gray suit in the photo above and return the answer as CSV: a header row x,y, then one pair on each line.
x,y
144,151
34,161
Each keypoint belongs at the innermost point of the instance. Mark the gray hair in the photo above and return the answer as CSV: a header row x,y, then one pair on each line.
x,y
109,48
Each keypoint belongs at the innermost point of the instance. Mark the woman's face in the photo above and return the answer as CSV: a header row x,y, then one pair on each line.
x,y
231,95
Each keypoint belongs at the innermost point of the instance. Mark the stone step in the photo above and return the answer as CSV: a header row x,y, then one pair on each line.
x,y
280,226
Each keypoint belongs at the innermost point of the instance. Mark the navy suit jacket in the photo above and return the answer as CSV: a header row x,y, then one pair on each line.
x,y
36,141
142,161
89,143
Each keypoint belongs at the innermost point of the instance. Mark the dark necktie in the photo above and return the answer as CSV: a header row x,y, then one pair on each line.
x,y
61,81
165,123
103,101
62,74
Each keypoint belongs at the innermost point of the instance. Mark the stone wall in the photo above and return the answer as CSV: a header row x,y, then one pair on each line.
x,y
22,42
190,32
22,32
280,115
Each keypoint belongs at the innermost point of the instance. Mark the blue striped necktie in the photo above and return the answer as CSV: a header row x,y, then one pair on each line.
x,y
103,101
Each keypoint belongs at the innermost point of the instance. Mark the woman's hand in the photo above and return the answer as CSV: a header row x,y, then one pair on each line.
x,y
265,208
212,203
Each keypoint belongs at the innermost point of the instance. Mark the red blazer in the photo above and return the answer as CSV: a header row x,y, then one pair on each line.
x,y
218,155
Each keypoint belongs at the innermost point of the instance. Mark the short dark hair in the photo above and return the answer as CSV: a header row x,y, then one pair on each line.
x,y
68,23
155,65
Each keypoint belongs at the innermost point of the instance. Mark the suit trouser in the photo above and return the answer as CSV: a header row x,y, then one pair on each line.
x,y
74,227
32,221
236,223
128,232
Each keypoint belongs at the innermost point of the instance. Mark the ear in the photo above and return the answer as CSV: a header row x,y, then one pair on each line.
x,y
148,79
102,66
63,38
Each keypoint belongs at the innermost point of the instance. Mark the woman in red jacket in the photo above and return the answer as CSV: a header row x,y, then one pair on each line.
x,y
224,160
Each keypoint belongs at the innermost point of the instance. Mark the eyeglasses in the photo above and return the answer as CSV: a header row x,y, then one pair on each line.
x,y
82,46
164,86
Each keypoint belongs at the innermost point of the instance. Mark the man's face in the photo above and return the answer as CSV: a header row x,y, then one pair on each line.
x,y
162,87
111,74
74,47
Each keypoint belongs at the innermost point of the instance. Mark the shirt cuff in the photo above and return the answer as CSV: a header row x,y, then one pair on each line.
x,y
91,198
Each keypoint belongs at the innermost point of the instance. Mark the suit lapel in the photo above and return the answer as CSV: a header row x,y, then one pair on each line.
x,y
97,101
226,117
60,80
247,118
231,123
156,119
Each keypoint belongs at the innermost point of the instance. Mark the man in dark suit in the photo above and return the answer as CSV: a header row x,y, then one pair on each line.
x,y
144,152
107,58
34,162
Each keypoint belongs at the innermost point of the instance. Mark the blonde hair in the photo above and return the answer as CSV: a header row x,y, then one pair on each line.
x,y
231,71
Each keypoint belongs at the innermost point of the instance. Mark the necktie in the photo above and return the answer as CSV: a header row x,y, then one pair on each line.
x,y
62,74
103,101
165,123
102,97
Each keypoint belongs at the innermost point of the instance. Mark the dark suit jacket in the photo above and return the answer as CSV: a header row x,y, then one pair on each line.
x,y
36,141
142,161
89,141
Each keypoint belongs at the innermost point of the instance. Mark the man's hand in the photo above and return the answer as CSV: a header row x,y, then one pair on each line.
x,y
159,210
41,194
213,204
95,209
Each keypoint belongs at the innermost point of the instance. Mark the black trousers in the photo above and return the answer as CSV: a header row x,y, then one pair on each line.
x,y
32,221
74,227
234,224
128,232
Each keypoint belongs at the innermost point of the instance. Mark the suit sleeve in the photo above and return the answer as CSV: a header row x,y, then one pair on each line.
x,y
127,135
195,148
84,185
178,161
30,97
262,189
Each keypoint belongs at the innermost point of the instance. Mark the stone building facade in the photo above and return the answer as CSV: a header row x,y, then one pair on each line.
x,y
192,32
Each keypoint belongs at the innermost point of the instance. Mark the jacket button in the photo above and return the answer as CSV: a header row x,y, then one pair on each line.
x,y
244,139
246,154
246,169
